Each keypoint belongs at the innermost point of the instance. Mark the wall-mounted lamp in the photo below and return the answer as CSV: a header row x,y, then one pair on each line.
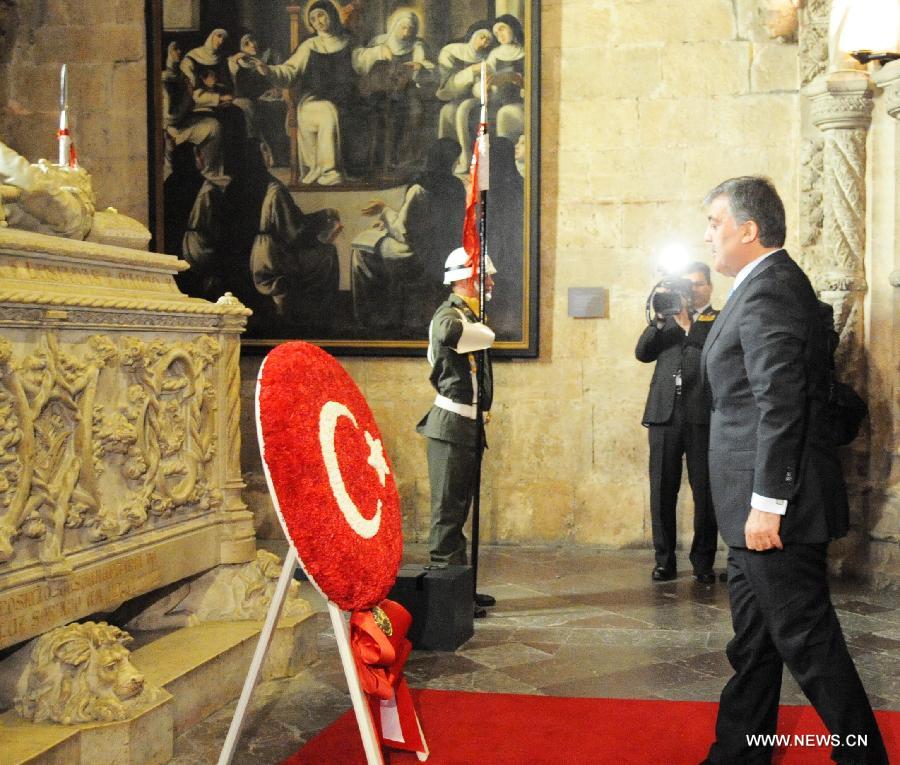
x,y
865,30
882,57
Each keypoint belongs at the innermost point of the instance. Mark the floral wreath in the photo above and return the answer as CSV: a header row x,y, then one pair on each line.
x,y
331,483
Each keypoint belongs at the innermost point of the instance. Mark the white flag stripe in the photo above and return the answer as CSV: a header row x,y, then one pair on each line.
x,y
484,167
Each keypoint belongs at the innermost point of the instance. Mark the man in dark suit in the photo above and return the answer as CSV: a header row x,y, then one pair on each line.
x,y
777,487
677,418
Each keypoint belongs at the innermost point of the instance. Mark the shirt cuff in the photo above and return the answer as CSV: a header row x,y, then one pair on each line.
x,y
768,504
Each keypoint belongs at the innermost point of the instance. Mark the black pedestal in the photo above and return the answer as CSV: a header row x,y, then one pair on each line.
x,y
440,601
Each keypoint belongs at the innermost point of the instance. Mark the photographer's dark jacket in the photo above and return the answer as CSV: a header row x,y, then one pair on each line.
x,y
673,350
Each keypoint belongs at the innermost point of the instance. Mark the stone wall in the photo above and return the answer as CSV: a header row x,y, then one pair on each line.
x,y
883,331
103,42
646,104
645,107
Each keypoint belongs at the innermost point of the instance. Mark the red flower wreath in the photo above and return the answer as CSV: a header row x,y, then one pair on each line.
x,y
331,482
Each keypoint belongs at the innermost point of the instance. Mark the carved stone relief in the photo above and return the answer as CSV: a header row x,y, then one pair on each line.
x,y
813,54
813,38
82,673
227,593
145,445
811,203
116,391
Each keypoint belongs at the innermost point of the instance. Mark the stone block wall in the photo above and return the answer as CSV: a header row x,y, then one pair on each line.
x,y
103,42
646,104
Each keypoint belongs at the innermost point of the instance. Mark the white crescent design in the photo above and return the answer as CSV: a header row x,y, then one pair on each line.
x,y
328,418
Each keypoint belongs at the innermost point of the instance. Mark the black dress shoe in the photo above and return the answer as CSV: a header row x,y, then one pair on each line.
x,y
480,612
661,574
485,600
707,577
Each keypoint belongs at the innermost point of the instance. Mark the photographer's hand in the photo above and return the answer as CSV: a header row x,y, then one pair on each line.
x,y
683,319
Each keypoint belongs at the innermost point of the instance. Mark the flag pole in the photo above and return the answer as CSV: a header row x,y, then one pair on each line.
x,y
481,357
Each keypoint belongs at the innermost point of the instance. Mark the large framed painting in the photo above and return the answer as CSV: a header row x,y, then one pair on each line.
x,y
313,161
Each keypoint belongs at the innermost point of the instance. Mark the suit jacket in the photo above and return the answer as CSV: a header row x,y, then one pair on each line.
x,y
766,361
672,350
451,375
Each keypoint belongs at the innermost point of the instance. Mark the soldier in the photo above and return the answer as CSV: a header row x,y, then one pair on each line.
x,y
451,426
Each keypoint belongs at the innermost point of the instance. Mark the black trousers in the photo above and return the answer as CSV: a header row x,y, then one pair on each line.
x,y
782,615
668,443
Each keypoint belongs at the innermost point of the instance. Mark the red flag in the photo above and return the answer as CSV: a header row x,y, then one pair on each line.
x,y
478,178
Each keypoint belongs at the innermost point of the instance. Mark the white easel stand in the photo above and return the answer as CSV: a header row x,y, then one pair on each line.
x,y
371,744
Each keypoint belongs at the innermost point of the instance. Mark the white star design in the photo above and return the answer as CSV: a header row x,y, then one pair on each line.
x,y
376,457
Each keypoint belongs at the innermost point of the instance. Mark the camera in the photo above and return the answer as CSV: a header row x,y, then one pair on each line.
x,y
669,295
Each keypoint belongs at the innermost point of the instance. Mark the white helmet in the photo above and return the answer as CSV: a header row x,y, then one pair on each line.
x,y
458,266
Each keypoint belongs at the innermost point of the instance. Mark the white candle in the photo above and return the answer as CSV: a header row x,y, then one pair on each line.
x,y
65,140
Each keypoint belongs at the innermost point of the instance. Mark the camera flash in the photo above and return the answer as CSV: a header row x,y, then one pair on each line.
x,y
673,257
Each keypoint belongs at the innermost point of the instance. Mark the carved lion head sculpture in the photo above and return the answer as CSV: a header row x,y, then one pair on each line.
x,y
81,673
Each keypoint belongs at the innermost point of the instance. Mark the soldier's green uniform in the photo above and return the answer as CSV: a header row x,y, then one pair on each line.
x,y
451,429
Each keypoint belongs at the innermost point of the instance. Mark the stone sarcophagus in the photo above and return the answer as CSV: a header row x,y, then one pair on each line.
x,y
119,431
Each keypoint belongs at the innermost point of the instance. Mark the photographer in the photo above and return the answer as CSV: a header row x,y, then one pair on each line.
x,y
677,416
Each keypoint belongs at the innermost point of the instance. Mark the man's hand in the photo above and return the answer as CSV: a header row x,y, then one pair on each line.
x,y
761,530
683,319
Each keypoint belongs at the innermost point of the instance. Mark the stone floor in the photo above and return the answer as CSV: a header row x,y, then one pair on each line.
x,y
568,622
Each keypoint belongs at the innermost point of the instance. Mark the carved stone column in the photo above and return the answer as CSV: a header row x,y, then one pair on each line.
x,y
238,541
841,104
813,55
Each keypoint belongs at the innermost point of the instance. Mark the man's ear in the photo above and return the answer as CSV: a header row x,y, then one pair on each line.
x,y
750,233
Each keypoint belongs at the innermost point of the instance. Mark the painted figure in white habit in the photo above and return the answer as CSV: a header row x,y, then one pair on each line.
x,y
460,70
506,77
396,77
327,67
209,56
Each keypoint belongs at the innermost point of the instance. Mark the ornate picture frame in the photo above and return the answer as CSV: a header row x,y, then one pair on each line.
x,y
312,160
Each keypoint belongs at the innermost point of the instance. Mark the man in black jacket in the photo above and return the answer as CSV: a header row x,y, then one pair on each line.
x,y
677,416
777,487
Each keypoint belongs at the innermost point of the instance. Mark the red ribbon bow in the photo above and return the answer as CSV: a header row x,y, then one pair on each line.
x,y
380,649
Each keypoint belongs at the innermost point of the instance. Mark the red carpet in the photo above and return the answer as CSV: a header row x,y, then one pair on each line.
x,y
504,729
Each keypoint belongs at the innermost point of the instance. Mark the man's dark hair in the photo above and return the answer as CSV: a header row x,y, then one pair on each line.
x,y
696,267
752,197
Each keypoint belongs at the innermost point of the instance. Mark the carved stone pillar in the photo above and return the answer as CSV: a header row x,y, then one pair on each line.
x,y
239,539
813,55
841,104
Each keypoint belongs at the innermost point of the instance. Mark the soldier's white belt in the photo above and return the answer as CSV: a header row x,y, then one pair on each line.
x,y
466,410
